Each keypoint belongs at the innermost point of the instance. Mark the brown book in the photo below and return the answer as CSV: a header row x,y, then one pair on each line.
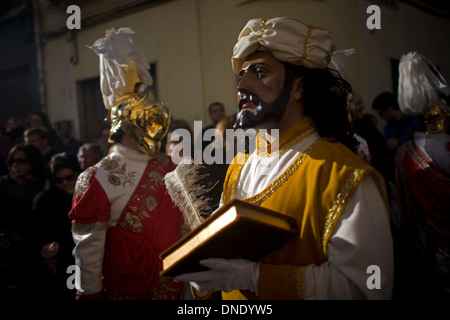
x,y
237,230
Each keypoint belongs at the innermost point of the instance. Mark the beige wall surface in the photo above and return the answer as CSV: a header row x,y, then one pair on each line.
x,y
191,42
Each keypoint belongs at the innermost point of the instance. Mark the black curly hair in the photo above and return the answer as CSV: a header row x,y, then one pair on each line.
x,y
33,155
64,160
325,101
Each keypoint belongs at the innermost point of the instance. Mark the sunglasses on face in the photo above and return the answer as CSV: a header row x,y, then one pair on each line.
x,y
68,178
17,160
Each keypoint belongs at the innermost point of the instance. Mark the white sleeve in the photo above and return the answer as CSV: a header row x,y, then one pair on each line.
x,y
89,253
360,240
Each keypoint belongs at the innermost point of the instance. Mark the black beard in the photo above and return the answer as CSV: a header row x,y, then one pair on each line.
x,y
265,111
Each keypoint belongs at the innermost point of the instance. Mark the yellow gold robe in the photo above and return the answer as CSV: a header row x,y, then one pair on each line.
x,y
314,189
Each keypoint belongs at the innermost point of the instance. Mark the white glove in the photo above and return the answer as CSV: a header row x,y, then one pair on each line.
x,y
224,275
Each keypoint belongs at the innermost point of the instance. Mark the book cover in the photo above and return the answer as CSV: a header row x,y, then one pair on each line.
x,y
237,230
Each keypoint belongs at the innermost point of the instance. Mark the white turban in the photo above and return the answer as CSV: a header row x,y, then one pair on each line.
x,y
289,40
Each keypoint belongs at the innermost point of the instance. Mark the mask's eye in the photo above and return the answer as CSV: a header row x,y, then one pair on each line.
x,y
240,75
254,69
260,73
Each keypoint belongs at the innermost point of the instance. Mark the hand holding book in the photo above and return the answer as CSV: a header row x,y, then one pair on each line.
x,y
237,230
224,275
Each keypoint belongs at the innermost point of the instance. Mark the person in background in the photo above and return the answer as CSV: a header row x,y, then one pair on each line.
x,y
12,135
14,131
50,228
216,113
398,129
96,129
38,137
364,125
68,142
354,112
174,138
89,155
102,141
423,181
26,178
38,119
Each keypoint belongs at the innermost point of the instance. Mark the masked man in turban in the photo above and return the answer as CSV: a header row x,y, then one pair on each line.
x,y
423,178
344,249
122,215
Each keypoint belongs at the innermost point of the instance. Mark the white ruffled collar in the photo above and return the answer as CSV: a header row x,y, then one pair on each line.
x,y
130,153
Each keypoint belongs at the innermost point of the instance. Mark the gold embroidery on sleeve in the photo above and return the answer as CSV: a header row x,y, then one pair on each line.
x,y
118,176
83,181
339,203
300,279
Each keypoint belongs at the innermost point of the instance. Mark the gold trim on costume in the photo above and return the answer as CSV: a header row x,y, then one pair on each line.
x,y
262,146
141,204
300,279
305,42
83,228
339,203
229,192
241,159
260,197
201,296
83,181
436,119
263,28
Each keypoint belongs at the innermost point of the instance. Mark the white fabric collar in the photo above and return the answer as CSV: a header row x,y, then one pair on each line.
x,y
130,153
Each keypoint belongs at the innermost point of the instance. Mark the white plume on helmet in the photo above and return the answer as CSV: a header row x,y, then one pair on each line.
x,y
420,84
119,52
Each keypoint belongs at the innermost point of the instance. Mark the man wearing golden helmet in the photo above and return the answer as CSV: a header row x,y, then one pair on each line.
x,y
338,200
423,179
122,217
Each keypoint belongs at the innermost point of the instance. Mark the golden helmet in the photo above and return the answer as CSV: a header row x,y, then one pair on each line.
x,y
145,119
125,83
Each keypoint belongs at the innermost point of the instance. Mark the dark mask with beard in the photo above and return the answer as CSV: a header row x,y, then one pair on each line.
x,y
265,111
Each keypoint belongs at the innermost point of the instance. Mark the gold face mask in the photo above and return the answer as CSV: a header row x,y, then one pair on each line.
x,y
145,119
